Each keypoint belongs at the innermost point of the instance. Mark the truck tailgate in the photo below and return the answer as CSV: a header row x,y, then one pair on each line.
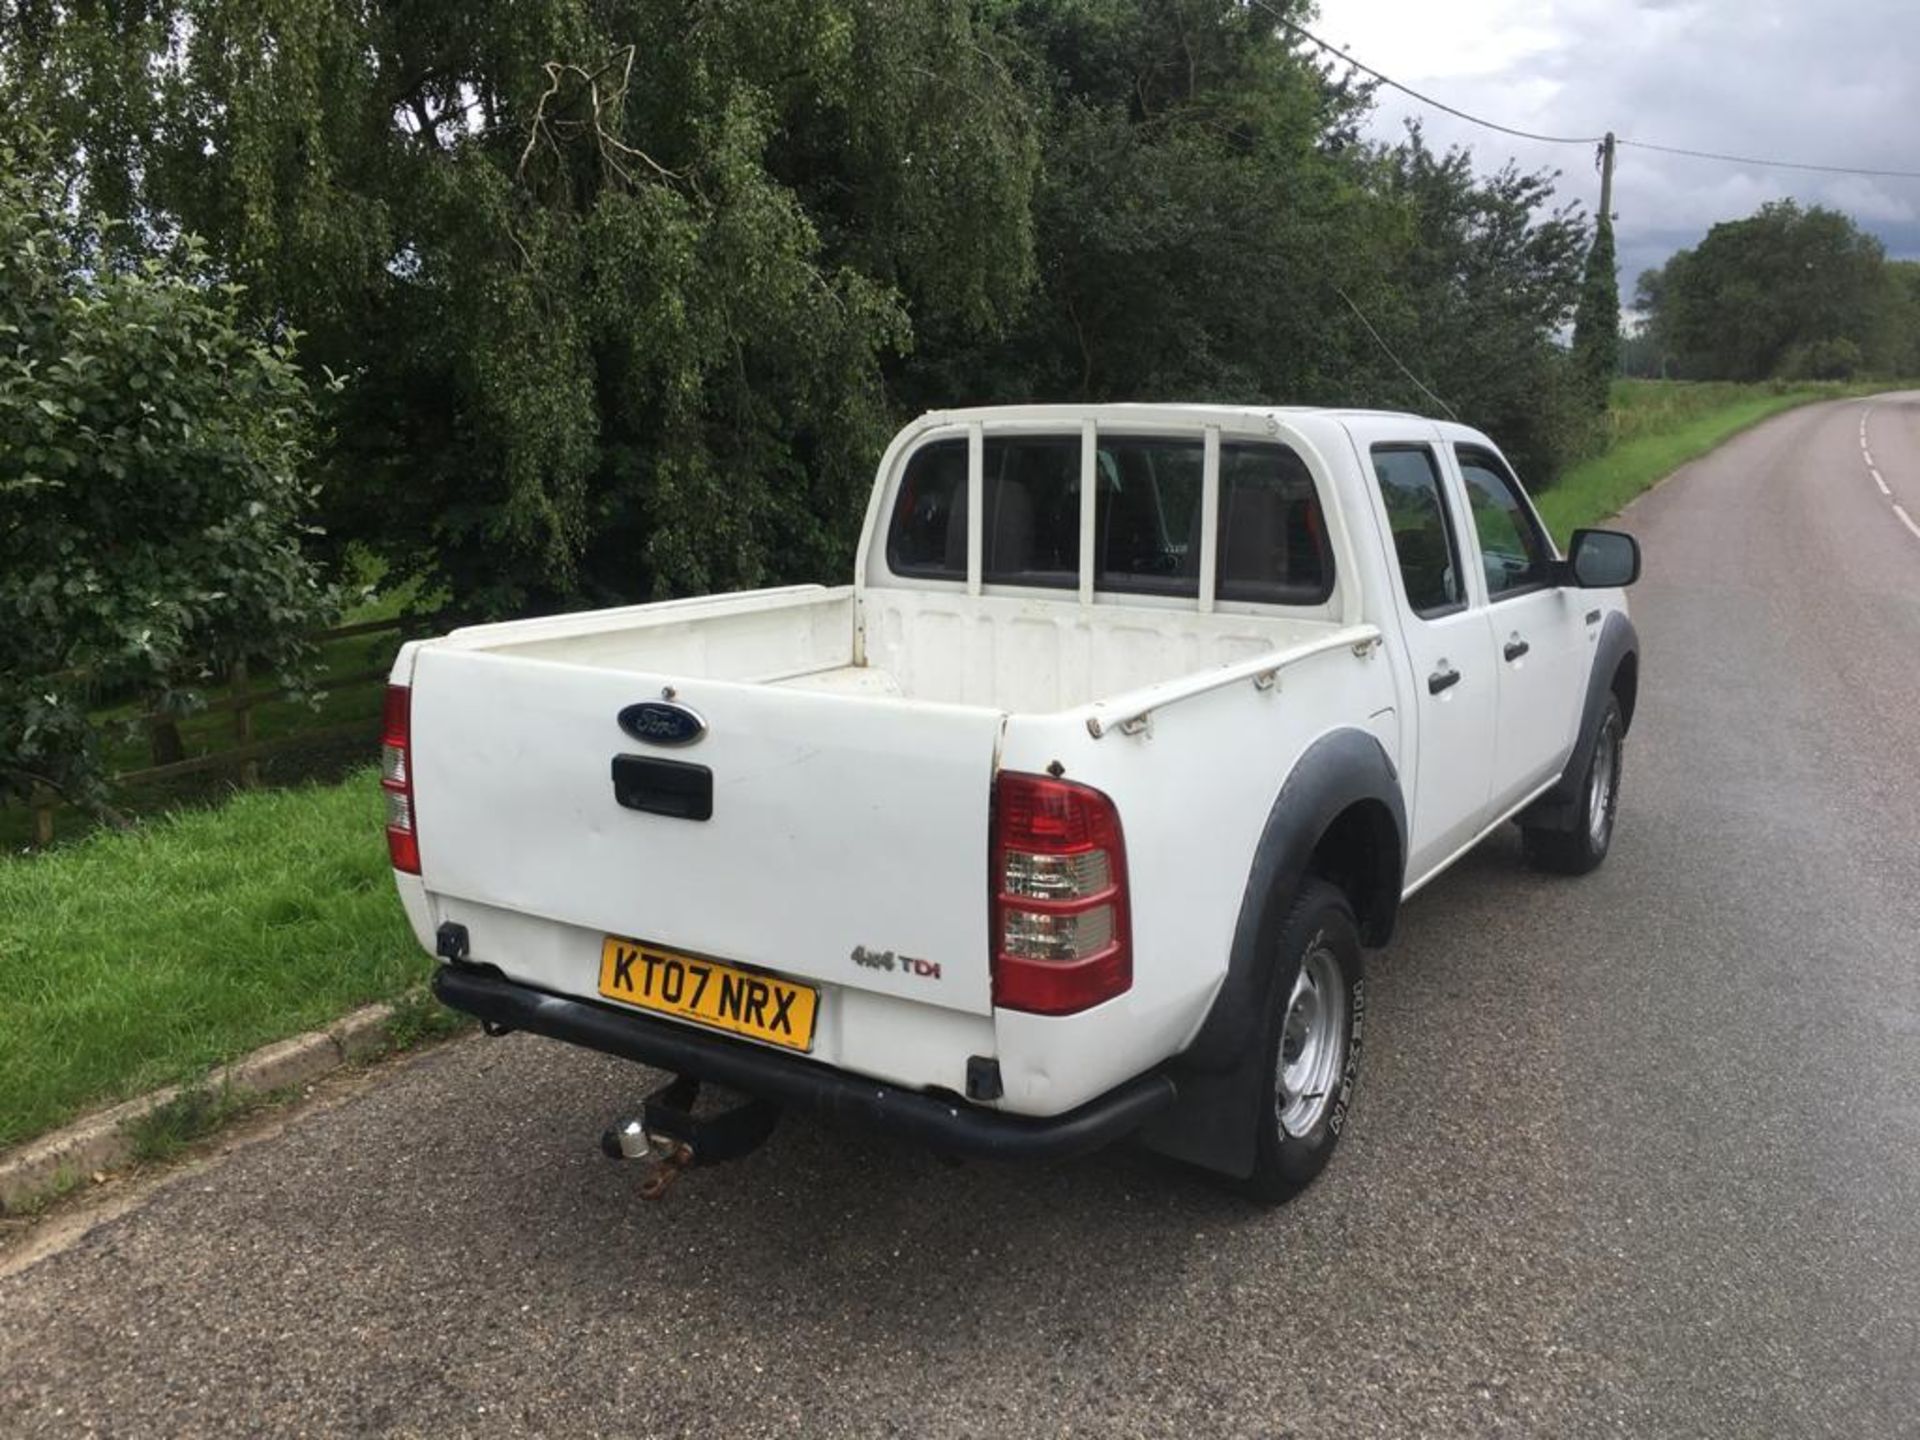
x,y
840,823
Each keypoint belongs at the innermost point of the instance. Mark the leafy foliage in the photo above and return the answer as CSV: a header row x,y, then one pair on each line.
x,y
614,285
1596,323
1789,292
151,505
627,295
1903,317
1481,288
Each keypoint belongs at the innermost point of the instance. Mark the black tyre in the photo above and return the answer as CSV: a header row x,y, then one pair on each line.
x,y
1316,1016
1581,848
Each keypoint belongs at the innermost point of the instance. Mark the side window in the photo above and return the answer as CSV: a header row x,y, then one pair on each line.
x,y
1147,513
1423,538
928,536
1513,550
1273,538
1031,534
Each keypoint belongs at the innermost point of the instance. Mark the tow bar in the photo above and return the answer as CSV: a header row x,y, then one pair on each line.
x,y
667,1139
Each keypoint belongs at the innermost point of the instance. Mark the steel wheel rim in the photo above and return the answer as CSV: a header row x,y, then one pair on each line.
x,y
1313,1044
1600,786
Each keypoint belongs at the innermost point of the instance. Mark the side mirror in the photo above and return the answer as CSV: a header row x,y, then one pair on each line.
x,y
1603,559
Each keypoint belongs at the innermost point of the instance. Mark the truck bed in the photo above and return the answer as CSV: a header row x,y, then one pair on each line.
x,y
850,748
1003,654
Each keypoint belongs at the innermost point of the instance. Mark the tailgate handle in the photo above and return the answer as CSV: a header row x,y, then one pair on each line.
x,y
663,787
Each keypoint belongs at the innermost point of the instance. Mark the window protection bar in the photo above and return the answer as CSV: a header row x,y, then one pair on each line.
x,y
1089,493
1209,519
976,502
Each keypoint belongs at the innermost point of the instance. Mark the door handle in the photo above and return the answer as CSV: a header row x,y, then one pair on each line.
x,y
1516,647
1443,678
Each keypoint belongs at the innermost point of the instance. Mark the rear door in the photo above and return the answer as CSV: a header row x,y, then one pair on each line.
x,y
839,825
1534,628
1446,652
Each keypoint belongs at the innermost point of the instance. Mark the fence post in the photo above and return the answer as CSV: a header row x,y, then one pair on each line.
x,y
41,801
249,774
163,733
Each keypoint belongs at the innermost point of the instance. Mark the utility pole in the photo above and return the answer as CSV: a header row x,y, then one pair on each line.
x,y
1596,319
1606,177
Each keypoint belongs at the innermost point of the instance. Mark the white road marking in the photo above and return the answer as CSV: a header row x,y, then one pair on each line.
x,y
1869,454
1907,520
1878,481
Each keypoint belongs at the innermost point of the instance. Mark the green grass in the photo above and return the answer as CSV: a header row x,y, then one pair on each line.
x,y
1656,426
139,959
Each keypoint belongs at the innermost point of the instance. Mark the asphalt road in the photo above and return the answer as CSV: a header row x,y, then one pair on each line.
x,y
1636,1154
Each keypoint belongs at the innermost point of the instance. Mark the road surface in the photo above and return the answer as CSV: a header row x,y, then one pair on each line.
x,y
1637,1154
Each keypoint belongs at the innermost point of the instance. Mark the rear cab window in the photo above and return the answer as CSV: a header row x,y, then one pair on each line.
x,y
927,538
1272,545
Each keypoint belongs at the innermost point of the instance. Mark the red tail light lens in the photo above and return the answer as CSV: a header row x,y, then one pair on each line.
x,y
1062,934
396,779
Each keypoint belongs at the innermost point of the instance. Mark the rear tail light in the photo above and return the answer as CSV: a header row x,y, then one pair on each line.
x,y
396,779
1062,935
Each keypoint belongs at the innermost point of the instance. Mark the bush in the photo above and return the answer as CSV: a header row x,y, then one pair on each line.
x,y
151,500
1822,360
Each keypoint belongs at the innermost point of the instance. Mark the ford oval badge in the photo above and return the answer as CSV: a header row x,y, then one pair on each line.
x,y
662,722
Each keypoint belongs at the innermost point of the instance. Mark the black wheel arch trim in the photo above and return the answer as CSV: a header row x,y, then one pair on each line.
x,y
1212,1122
1618,645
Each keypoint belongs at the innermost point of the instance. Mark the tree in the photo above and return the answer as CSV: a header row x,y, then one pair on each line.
x,y
627,297
1756,295
1903,318
1487,277
1209,225
1596,322
152,504
1198,210
613,287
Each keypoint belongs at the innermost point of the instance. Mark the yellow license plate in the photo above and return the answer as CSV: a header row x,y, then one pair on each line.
x,y
776,1011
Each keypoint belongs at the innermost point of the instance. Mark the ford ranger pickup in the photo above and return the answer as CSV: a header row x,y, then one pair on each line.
x,y
1067,820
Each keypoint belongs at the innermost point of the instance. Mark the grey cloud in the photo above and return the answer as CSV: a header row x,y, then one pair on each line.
x,y
1835,83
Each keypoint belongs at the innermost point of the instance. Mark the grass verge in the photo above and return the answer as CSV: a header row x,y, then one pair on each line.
x,y
1659,425
134,960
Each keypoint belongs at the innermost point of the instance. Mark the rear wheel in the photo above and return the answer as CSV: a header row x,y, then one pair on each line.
x,y
1311,1042
1581,848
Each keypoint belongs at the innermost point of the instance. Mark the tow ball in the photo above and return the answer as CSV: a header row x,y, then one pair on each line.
x,y
667,1139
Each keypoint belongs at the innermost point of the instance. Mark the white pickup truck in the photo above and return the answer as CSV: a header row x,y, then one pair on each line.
x,y
1066,821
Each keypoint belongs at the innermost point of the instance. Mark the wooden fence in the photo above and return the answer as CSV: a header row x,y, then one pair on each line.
x,y
242,759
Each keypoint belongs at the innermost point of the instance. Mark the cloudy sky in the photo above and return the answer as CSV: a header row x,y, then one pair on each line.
x,y
1834,82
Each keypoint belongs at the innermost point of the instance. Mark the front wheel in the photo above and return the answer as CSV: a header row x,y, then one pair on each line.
x,y
1581,848
1316,1017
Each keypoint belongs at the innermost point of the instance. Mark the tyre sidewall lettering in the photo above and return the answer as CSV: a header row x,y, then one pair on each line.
x,y
1350,1073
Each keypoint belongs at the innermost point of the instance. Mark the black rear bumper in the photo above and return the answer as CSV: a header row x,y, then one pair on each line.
x,y
950,1126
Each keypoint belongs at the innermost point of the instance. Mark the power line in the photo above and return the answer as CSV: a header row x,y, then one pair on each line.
x,y
1378,340
1425,99
1391,83
1771,164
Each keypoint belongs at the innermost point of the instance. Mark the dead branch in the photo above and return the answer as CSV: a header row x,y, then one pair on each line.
x,y
606,112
